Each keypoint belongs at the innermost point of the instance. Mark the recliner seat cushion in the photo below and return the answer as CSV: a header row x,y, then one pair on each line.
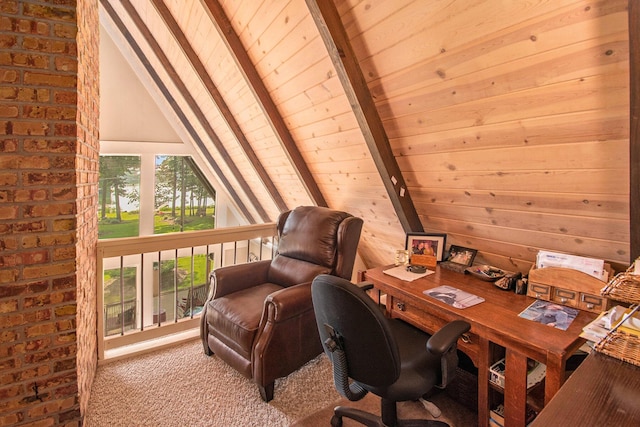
x,y
234,318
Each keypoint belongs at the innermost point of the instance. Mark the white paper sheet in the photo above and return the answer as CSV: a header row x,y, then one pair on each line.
x,y
401,273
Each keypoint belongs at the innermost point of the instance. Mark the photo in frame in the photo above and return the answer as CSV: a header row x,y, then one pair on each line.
x,y
423,246
461,255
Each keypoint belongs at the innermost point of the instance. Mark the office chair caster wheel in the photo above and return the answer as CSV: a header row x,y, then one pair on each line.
x,y
336,421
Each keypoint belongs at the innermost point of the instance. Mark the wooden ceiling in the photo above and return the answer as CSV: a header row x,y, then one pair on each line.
x,y
504,125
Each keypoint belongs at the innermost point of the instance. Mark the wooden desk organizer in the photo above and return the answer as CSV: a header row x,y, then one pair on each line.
x,y
568,287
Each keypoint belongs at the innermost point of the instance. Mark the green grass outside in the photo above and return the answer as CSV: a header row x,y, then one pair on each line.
x,y
130,224
129,227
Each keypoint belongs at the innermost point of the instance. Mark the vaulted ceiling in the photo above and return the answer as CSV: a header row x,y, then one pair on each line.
x,y
504,125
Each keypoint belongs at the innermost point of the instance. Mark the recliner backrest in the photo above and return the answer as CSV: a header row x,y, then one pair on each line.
x,y
310,241
369,345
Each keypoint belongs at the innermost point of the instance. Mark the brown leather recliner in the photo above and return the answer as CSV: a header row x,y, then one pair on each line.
x,y
259,317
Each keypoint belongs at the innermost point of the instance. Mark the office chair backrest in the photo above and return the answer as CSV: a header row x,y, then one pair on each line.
x,y
363,331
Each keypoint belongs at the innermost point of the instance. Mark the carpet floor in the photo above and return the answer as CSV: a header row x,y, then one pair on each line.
x,y
181,386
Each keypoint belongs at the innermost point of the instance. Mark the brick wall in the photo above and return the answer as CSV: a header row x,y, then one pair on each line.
x,y
48,229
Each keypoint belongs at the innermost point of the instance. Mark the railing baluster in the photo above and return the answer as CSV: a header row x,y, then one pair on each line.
x,y
121,295
175,285
141,293
159,307
124,319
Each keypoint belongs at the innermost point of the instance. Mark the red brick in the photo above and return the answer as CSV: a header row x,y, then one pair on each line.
x,y
49,79
47,240
64,283
39,344
65,97
61,113
50,12
30,61
29,226
11,419
9,6
8,306
64,224
60,254
7,41
29,128
39,330
50,210
11,391
49,146
8,145
8,111
65,129
66,64
65,31
35,195
8,212
8,276
8,179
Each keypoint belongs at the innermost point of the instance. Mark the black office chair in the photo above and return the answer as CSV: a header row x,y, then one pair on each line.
x,y
371,353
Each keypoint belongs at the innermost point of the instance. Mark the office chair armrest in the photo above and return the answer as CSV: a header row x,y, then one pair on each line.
x,y
446,337
365,286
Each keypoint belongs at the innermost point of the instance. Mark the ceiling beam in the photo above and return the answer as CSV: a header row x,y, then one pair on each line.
x,y
202,119
634,134
335,38
215,94
174,105
253,79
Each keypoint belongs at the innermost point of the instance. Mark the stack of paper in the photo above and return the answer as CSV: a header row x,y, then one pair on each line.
x,y
605,322
591,266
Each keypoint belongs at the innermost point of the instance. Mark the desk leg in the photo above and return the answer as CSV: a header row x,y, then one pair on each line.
x,y
515,389
554,377
483,381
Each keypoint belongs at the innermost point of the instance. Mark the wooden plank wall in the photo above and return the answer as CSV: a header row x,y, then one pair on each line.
x,y
509,119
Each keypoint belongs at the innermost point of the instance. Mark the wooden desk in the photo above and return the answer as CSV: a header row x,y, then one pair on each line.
x,y
494,321
603,391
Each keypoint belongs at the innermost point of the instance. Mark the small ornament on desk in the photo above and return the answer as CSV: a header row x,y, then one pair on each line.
x,y
486,272
402,257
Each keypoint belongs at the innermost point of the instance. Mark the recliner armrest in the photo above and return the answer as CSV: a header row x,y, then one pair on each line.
x,y
289,302
447,336
233,278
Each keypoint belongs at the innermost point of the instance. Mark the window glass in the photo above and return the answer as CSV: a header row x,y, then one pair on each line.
x,y
119,197
184,200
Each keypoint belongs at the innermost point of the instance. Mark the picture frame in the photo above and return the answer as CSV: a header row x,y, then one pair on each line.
x,y
425,244
461,255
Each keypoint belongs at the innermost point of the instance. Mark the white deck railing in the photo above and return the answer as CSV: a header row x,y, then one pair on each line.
x,y
144,296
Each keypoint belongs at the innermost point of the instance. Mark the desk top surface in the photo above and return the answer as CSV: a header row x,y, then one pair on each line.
x,y
603,391
497,316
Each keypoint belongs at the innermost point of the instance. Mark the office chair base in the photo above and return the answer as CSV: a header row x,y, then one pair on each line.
x,y
371,420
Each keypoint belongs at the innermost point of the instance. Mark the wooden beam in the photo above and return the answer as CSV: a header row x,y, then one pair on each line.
x,y
634,128
344,59
253,79
174,105
193,105
226,113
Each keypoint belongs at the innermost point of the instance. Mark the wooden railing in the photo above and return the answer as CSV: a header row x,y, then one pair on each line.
x,y
154,285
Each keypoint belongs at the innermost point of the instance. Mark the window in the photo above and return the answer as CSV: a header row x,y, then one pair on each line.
x,y
182,198
119,197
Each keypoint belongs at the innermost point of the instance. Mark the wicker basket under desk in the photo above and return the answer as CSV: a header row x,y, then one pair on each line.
x,y
624,287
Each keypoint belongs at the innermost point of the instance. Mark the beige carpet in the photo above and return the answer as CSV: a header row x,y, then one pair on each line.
x,y
181,386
